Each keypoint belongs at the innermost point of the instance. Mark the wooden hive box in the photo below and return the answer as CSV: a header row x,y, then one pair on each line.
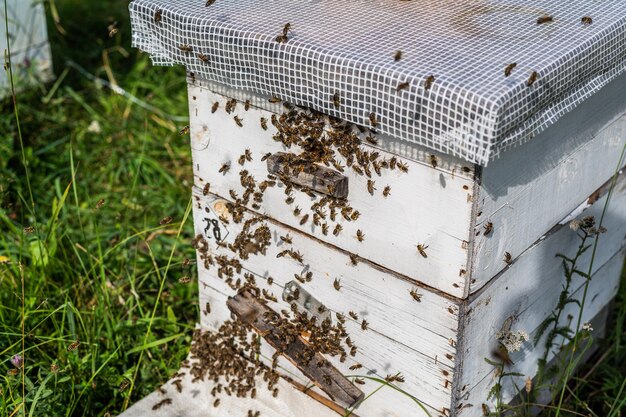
x,y
420,246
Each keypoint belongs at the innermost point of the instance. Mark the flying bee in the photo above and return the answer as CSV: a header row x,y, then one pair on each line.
x,y
209,2
158,15
544,19
73,346
274,99
206,189
224,168
364,324
502,354
508,259
360,235
337,284
30,229
354,259
184,131
215,106
488,228
370,186
373,120
166,220
246,105
123,385
325,229
397,56
428,82
353,315
403,86
304,219
433,161
264,123
238,121
586,20
338,228
416,296
403,167
356,366
422,250
185,47
287,239
386,191
533,77
509,69
203,58
336,99
185,280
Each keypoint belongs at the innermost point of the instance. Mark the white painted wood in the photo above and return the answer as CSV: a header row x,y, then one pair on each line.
x,y
401,330
530,288
30,50
602,288
525,192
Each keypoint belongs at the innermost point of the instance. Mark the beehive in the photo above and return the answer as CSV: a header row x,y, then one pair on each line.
x,y
351,170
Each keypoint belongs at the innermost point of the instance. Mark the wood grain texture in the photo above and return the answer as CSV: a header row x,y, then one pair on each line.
x,y
530,188
426,206
528,290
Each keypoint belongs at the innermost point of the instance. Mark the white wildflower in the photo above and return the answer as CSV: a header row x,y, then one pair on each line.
x,y
574,224
512,341
587,327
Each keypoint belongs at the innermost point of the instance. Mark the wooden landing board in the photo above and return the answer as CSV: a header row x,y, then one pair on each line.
x,y
250,311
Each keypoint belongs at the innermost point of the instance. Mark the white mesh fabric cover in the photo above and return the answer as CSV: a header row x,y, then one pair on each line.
x,y
472,110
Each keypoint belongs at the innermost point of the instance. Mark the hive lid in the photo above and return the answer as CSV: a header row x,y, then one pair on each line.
x,y
471,110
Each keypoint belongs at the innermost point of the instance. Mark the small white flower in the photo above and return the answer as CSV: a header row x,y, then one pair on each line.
x,y
587,327
574,224
512,341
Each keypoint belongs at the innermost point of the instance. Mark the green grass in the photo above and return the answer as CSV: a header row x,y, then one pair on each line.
x,y
108,277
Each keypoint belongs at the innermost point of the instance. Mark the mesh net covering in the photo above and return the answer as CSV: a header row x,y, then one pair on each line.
x,y
348,47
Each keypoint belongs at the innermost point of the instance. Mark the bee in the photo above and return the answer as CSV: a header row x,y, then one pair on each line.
x,y
158,15
192,75
486,410
373,120
356,366
488,228
327,379
230,105
337,284
359,381
207,308
304,219
161,403
246,156
270,280
203,58
386,191
184,131
364,324
225,168
392,163
325,229
274,99
246,105
402,86
216,403
321,309
544,19
403,167
355,215
372,140
238,121
354,259
338,228
124,385
215,106
296,255
502,355
428,82
336,99
113,30
340,318
73,346
297,211
422,250
353,315
370,186
509,69
264,123
206,189
185,280
586,20
397,56
416,296
12,372
433,161
185,47
166,220
357,169
31,229
286,29
508,259
286,239
533,77
209,2
360,235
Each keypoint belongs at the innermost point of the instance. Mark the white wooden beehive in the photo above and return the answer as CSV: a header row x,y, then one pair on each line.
x,y
433,311
30,50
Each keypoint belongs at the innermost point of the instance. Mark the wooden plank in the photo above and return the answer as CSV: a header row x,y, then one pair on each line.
x,y
254,313
530,188
426,206
602,288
